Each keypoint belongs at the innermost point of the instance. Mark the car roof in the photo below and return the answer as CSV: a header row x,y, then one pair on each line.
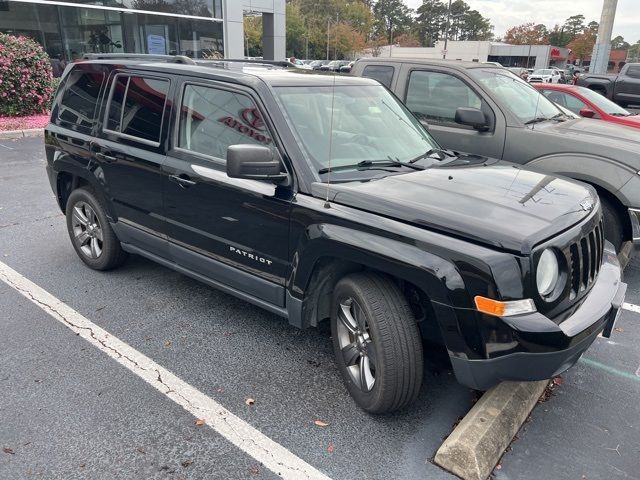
x,y
457,64
240,72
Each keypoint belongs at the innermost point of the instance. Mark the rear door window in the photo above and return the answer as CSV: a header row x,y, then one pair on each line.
x,y
381,73
634,71
136,107
79,100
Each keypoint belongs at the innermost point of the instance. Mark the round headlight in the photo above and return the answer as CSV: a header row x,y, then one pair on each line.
x,y
547,272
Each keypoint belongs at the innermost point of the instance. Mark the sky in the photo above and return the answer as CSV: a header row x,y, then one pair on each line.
x,y
507,13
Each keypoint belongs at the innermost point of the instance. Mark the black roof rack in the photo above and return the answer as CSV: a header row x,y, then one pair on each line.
x,y
139,56
278,63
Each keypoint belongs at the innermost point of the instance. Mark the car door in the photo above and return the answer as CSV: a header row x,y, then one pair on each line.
x,y
232,231
434,96
129,152
627,86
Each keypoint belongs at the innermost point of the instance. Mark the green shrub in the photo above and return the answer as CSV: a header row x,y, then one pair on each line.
x,y
25,76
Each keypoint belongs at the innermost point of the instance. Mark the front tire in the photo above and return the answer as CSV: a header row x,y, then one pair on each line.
x,y
613,226
377,342
90,232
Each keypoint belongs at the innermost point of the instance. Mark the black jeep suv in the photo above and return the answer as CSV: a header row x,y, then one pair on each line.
x,y
321,197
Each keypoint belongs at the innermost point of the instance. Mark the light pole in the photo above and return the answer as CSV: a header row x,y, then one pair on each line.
x,y
446,32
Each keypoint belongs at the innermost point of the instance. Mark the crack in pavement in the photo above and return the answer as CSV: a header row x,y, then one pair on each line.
x,y
248,439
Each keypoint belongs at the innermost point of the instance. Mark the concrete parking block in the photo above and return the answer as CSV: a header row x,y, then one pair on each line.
x,y
477,443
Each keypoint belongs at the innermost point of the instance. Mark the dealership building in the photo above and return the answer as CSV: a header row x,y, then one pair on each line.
x,y
528,56
197,28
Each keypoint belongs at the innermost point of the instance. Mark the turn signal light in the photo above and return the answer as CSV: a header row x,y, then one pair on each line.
x,y
504,309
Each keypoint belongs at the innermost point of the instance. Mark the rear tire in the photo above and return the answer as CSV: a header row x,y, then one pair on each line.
x,y
613,226
90,232
377,342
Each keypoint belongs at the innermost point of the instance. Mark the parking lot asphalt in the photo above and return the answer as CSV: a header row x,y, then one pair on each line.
x,y
69,411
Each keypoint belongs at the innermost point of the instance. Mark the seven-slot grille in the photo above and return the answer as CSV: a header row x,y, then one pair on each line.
x,y
584,258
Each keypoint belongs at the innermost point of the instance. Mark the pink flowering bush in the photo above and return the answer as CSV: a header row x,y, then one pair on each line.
x,y
25,76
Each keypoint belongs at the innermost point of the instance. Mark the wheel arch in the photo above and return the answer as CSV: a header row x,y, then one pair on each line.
x,y
68,180
320,263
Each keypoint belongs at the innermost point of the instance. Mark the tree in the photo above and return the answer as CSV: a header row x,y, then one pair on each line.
x,y
392,17
431,21
527,34
407,40
618,43
574,25
476,27
344,40
633,54
296,32
582,45
253,36
593,26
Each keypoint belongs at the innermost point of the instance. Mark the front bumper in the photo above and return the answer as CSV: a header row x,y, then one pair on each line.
x,y
597,314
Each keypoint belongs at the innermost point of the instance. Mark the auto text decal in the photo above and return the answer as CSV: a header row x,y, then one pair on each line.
x,y
251,125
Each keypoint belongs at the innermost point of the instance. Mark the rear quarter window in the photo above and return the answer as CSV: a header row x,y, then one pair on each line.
x,y
77,107
381,73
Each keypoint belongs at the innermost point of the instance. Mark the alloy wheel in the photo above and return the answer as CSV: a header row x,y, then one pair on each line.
x,y
87,231
356,344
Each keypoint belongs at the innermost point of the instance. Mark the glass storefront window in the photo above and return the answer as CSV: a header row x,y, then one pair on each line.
x,y
68,32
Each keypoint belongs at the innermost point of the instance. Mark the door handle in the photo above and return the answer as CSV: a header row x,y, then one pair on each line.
x,y
105,158
182,180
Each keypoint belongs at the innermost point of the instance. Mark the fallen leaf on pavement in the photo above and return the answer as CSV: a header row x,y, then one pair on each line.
x,y
498,467
331,448
557,381
9,451
199,422
254,470
250,401
618,329
167,343
141,450
186,463
320,423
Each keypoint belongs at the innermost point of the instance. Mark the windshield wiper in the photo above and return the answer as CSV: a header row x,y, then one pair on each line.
x,y
560,117
442,154
617,114
371,164
536,120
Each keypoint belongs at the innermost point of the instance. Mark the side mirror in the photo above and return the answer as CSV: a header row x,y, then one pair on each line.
x,y
473,117
587,112
254,162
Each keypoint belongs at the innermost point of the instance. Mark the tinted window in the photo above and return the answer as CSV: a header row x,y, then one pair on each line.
x,y
436,96
212,119
381,73
137,107
80,97
634,71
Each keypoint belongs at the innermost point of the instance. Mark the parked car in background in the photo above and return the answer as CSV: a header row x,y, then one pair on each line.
x,y
223,174
471,107
545,75
316,64
334,65
346,68
519,71
298,63
624,88
589,104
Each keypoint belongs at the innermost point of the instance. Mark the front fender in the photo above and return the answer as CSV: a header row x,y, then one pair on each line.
x,y
599,171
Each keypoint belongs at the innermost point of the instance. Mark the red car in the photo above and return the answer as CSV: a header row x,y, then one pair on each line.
x,y
587,103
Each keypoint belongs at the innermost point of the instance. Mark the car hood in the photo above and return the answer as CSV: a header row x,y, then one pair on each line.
x,y
621,143
492,202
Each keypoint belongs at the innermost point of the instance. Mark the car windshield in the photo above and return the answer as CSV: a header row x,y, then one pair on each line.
x,y
365,123
603,103
524,101
543,72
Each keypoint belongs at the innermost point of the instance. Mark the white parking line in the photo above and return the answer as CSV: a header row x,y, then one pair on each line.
x,y
631,307
272,455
